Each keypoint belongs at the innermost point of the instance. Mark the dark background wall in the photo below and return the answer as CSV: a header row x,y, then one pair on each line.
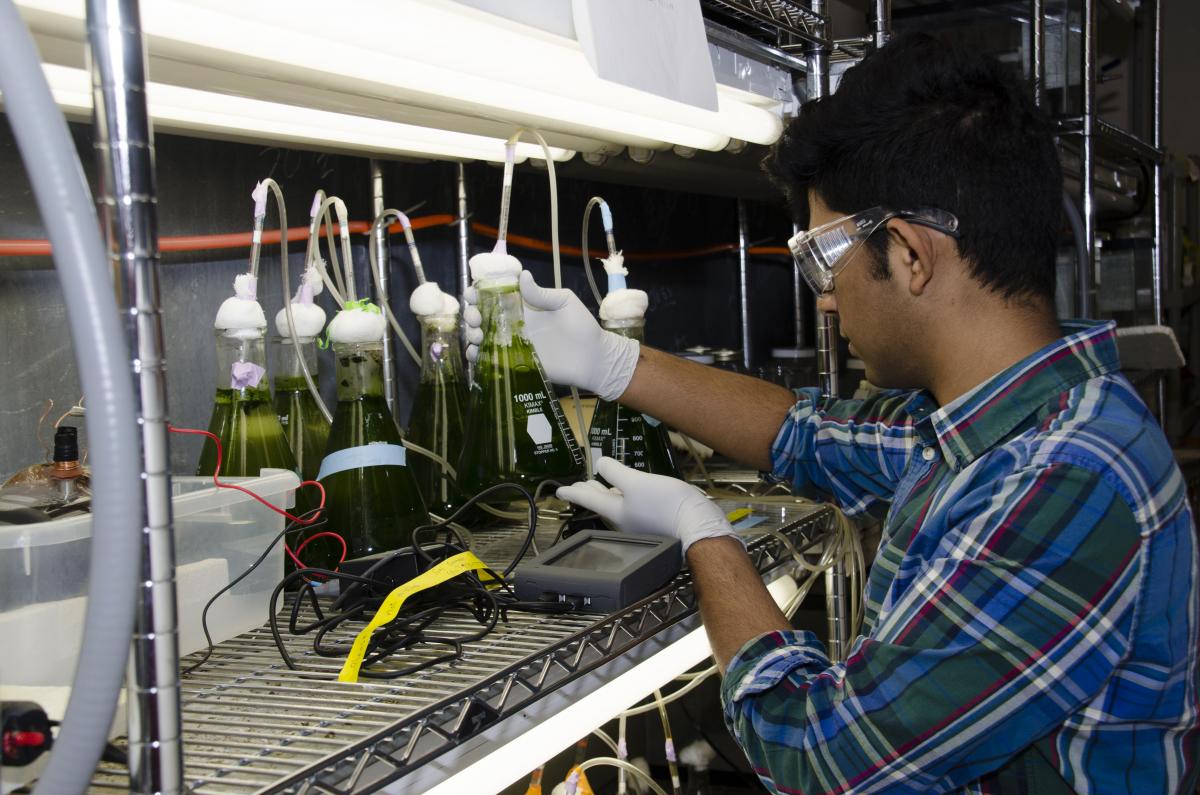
x,y
204,187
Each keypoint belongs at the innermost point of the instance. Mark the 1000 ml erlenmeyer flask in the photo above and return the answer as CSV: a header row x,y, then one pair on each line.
x,y
243,419
636,440
516,431
436,422
371,496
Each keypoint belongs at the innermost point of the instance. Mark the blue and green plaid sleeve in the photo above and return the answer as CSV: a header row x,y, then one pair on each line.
x,y
854,451
1008,624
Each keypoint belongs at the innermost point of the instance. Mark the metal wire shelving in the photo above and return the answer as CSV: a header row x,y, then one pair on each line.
x,y
250,724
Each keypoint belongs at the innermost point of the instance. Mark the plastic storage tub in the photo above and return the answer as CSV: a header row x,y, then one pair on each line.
x,y
218,534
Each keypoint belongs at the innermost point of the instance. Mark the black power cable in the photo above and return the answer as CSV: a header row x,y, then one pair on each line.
x,y
416,623
291,527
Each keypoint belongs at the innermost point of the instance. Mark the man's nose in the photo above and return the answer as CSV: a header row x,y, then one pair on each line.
x,y
827,303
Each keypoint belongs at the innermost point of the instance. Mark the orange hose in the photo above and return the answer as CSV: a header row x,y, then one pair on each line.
x,y
534,244
41,248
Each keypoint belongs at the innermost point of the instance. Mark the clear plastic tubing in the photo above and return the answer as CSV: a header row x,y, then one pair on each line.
x,y
510,156
376,277
412,243
607,222
510,148
287,288
260,220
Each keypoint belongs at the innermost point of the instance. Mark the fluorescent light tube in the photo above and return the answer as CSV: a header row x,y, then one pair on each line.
x,y
435,54
206,111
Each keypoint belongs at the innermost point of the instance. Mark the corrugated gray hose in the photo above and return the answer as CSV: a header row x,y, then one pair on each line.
x,y
104,373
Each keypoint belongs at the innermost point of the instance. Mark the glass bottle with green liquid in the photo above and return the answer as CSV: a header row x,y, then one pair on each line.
x,y
436,422
305,426
635,439
516,431
371,495
243,418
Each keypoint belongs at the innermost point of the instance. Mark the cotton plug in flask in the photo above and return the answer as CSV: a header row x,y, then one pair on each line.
x,y
243,418
635,439
516,431
371,495
438,411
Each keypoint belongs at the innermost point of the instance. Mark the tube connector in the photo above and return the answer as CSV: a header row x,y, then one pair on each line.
x,y
259,194
606,217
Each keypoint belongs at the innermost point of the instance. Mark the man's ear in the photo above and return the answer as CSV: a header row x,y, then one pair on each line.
x,y
914,255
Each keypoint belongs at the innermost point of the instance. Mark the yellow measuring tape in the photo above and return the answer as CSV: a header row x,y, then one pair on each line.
x,y
448,569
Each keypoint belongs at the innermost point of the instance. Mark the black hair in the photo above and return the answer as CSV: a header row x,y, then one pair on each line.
x,y
923,123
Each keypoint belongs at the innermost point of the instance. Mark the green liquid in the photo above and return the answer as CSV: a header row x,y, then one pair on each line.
x,y
251,437
374,508
628,437
308,434
437,425
306,429
516,432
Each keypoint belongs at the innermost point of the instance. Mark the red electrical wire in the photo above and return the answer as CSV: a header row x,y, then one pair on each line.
x,y
295,519
323,534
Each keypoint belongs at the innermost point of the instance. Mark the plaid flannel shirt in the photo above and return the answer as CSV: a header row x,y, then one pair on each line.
x,y
1030,618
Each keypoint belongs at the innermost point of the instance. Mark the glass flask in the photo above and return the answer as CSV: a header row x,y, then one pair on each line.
x,y
436,422
306,428
242,418
516,431
371,496
636,440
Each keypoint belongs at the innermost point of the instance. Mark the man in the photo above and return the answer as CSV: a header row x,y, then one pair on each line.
x,y
1030,619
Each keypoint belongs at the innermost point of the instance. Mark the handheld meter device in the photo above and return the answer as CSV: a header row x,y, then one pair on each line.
x,y
599,570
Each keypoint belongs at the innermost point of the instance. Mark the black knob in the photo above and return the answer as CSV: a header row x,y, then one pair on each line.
x,y
66,443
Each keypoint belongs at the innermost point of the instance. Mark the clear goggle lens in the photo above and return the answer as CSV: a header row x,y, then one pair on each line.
x,y
821,253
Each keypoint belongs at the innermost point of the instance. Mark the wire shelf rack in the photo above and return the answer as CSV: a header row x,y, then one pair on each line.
x,y
784,22
252,725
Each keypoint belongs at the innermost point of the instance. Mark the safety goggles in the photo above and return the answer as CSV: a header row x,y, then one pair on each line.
x,y
821,253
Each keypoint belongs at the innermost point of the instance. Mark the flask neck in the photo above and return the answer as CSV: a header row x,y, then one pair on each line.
x,y
359,370
633,329
241,363
288,357
502,311
439,347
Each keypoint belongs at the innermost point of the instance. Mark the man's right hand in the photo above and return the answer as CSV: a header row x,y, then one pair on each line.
x,y
572,346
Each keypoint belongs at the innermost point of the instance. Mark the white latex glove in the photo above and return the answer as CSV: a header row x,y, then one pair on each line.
x,y
573,348
651,504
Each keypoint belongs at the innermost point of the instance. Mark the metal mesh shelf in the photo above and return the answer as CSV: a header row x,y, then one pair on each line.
x,y
250,724
783,21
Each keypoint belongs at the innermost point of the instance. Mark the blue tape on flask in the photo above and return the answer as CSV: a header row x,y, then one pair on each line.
x,y
651,421
616,281
376,454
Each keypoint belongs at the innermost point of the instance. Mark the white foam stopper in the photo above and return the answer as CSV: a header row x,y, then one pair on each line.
x,y
309,320
626,304
615,264
357,325
491,265
241,315
428,299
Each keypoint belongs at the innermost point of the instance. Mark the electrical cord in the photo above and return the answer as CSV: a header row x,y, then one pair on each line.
x,y
291,528
416,623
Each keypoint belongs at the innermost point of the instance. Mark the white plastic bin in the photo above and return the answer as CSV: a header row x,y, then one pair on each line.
x,y
218,534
